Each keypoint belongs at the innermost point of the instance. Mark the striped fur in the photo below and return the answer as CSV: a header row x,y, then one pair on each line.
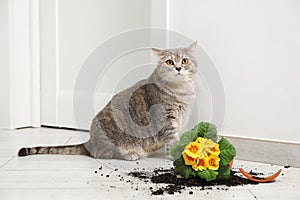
x,y
142,118
66,150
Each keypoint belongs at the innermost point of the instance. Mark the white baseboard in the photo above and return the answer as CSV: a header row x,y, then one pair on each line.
x,y
265,151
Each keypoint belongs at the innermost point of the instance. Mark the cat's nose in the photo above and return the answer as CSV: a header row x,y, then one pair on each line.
x,y
178,68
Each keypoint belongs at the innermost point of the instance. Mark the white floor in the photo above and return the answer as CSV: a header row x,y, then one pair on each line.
x,y
74,177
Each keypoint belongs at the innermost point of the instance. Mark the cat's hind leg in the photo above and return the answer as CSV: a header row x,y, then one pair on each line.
x,y
102,148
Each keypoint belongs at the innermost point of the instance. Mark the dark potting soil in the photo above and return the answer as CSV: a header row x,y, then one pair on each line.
x,y
177,183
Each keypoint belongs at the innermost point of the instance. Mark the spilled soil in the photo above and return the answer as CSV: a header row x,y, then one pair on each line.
x,y
175,183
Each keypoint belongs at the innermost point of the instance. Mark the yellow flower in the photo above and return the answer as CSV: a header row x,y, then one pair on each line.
x,y
200,140
208,143
193,149
200,165
206,146
202,154
213,162
215,150
188,160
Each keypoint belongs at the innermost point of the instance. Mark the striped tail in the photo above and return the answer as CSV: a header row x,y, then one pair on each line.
x,y
63,150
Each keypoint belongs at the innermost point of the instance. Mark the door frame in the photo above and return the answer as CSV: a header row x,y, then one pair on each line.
x,y
23,69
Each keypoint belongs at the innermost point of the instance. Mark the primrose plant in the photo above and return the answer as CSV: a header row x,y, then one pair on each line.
x,y
198,154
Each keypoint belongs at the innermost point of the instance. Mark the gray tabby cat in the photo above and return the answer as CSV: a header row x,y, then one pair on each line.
x,y
142,118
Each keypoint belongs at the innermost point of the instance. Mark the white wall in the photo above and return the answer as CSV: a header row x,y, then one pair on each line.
x,y
4,66
255,46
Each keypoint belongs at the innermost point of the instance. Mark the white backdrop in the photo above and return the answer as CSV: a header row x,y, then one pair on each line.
x,y
256,47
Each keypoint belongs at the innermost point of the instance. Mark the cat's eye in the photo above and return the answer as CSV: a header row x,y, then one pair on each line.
x,y
185,61
169,62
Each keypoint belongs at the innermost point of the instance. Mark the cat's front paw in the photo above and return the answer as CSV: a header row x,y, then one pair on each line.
x,y
174,140
131,156
171,138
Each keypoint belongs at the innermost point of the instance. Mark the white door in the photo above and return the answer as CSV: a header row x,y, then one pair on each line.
x,y
71,30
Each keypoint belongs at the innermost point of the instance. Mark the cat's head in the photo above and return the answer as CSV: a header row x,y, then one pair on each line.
x,y
176,65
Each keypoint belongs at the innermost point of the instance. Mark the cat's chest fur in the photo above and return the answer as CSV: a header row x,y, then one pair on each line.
x,y
153,100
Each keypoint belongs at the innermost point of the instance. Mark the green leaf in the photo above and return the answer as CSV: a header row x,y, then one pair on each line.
x,y
208,175
224,173
227,152
188,172
182,169
176,150
188,137
206,130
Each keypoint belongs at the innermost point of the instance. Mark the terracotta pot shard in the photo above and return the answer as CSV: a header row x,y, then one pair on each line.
x,y
260,180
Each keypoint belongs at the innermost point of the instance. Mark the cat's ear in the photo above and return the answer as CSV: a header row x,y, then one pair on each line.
x,y
158,52
192,48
